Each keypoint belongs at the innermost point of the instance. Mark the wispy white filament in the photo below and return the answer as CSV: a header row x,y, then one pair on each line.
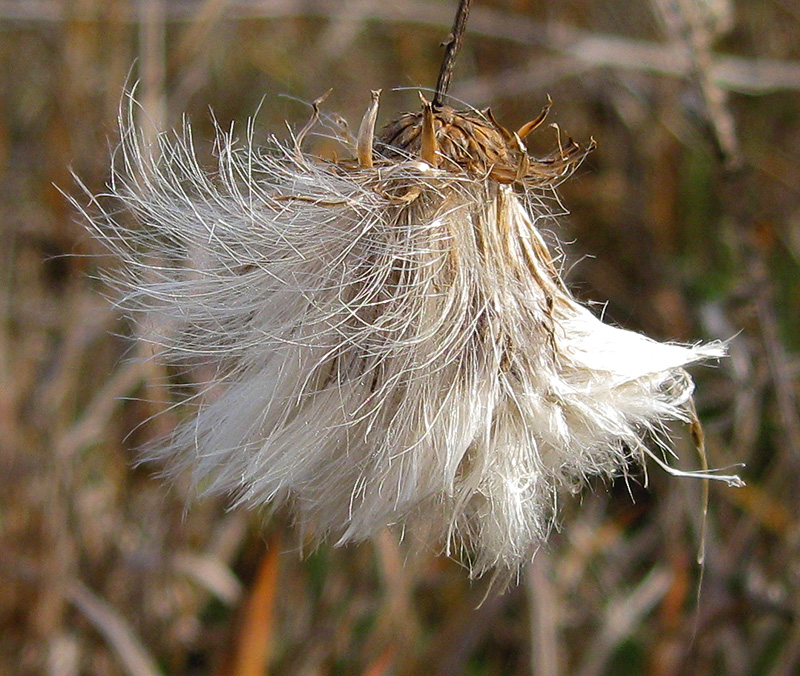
x,y
392,344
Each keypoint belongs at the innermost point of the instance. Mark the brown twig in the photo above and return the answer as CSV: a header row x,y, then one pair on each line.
x,y
684,18
452,45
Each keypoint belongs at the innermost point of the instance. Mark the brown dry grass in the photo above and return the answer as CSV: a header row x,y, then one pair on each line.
x,y
105,571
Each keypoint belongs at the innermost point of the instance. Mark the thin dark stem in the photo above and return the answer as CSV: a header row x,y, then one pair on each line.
x,y
452,46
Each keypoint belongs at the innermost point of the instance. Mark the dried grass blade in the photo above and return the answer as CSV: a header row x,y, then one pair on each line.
x,y
132,654
253,638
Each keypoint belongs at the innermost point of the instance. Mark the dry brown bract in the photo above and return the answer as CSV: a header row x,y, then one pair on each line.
x,y
476,143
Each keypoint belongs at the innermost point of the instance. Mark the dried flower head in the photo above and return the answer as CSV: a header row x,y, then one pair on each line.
x,y
392,341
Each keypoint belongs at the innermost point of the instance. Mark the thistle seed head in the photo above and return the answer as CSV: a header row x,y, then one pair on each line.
x,y
391,340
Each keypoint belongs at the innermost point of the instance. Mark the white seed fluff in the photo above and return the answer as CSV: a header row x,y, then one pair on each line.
x,y
392,342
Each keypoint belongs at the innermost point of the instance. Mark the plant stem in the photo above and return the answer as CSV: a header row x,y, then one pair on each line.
x,y
452,45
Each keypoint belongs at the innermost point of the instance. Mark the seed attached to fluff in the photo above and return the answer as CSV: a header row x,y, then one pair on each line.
x,y
391,339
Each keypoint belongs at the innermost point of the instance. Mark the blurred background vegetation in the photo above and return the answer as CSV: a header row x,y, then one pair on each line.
x,y
685,220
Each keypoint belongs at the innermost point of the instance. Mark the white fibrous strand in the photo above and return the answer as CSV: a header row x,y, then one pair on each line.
x,y
391,341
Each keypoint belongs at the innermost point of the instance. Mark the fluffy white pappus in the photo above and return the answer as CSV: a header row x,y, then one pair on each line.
x,y
391,340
